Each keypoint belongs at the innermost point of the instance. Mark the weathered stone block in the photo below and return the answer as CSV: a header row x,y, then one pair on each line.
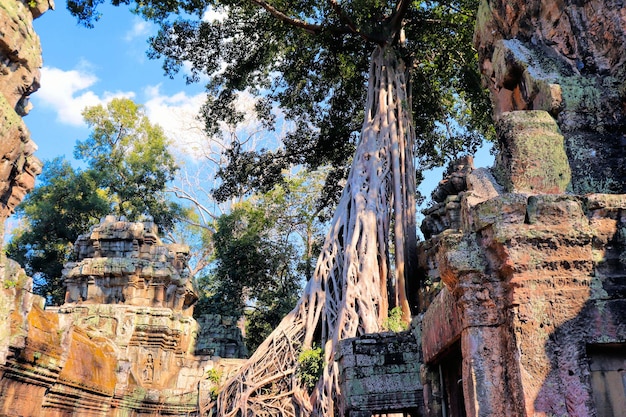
x,y
503,210
441,325
380,372
532,156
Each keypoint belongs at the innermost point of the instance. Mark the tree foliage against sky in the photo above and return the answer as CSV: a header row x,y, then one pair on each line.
x,y
64,204
252,275
263,254
311,59
128,168
132,161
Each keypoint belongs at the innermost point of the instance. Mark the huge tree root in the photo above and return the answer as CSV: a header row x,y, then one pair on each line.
x,y
347,296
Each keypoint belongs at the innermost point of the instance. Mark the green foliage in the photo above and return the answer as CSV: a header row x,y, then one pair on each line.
x,y
214,376
131,157
263,251
64,204
310,366
8,284
394,321
128,169
310,59
253,274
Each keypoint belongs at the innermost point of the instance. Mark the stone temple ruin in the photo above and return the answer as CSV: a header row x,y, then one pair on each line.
x,y
124,342
520,298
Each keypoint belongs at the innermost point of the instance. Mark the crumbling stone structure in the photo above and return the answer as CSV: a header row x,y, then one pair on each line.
x,y
121,262
380,373
522,300
20,63
124,343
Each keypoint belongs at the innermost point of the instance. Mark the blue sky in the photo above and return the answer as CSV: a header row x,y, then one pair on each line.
x,y
85,67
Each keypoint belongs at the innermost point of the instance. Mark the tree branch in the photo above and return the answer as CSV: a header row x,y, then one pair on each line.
x,y
308,27
343,17
312,28
395,23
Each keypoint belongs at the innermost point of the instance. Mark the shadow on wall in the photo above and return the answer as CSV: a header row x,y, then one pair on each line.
x,y
587,354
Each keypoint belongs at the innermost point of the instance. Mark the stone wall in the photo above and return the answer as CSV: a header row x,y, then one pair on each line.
x,y
20,62
220,336
120,262
564,58
123,344
380,373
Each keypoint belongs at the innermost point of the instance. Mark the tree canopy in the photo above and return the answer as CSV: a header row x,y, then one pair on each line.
x,y
128,168
263,253
132,161
311,60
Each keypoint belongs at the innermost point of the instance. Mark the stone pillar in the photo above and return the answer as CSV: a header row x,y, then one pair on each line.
x,y
467,271
532,155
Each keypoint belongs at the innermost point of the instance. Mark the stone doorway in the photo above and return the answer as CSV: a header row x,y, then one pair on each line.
x,y
451,380
607,366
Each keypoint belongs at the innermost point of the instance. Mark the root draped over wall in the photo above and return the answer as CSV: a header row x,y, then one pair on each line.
x,y
347,296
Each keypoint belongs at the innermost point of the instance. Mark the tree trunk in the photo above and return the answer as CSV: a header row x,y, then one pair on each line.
x,y
347,295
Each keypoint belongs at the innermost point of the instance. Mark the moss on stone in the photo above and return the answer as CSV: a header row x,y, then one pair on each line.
x,y
535,159
28,48
9,119
580,94
585,163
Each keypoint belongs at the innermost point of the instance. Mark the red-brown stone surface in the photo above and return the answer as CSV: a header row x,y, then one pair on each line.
x,y
536,282
566,58
20,62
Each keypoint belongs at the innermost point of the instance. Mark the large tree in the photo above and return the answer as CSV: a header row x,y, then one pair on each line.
x,y
315,60
132,160
128,168
64,204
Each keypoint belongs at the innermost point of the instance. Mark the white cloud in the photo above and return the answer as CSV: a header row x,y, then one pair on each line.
x,y
212,14
140,29
68,92
178,116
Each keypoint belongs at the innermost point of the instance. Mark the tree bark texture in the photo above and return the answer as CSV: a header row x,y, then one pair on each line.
x,y
347,295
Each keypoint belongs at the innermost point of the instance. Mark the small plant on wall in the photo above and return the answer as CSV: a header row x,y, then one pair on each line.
x,y
394,321
310,366
214,376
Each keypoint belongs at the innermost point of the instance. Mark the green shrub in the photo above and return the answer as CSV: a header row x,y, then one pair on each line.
x,y
310,366
394,321
215,377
